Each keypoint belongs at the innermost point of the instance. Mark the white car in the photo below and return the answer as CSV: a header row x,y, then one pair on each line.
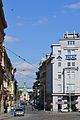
x,y
65,110
19,112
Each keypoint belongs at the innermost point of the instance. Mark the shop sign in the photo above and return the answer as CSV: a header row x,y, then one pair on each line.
x,y
70,57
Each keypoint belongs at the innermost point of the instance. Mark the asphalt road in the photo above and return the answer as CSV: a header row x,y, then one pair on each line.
x,y
45,115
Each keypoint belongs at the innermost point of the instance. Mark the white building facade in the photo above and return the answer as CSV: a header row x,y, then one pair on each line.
x,y
62,74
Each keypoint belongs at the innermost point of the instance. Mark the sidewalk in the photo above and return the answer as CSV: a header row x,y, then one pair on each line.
x,y
4,116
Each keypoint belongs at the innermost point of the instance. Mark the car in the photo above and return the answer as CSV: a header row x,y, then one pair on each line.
x,y
23,107
64,110
19,112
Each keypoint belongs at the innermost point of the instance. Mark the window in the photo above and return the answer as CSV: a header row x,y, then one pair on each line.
x,y
70,88
68,63
71,42
73,76
59,52
59,64
73,88
73,63
68,71
67,90
59,76
59,88
70,52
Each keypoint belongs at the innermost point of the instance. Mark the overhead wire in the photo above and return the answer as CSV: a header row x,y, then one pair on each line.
x,y
21,57
28,76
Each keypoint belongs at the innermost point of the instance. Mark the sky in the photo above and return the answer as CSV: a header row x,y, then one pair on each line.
x,y
33,25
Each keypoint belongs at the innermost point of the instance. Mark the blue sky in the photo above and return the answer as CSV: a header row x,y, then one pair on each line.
x,y
33,25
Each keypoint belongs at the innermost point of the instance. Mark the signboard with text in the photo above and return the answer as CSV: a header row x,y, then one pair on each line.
x,y
70,57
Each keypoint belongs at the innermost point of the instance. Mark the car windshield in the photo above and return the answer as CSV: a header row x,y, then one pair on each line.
x,y
19,109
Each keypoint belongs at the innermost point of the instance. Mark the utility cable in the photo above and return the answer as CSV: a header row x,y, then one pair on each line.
x,y
28,76
21,57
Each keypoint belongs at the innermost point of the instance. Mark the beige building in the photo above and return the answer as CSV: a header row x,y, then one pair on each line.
x,y
8,85
3,25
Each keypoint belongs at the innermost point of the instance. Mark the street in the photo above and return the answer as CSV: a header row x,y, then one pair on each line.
x,y
46,115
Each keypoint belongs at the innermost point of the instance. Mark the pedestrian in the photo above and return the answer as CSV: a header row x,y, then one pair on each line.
x,y
12,110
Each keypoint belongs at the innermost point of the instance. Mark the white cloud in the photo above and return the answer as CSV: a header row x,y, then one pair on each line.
x,y
73,6
10,38
41,21
32,21
21,18
20,24
24,70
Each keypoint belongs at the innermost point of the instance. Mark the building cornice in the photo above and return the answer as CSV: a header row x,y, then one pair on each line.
x,y
55,45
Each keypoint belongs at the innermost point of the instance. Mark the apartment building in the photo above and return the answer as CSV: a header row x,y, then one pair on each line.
x,y
62,74
3,25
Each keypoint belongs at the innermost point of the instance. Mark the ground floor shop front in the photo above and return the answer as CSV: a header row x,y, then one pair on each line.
x,y
58,102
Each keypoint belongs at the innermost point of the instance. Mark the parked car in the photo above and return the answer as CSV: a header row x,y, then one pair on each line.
x,y
78,110
64,110
19,112
23,107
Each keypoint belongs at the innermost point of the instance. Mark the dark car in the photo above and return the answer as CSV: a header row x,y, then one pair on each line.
x,y
19,112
